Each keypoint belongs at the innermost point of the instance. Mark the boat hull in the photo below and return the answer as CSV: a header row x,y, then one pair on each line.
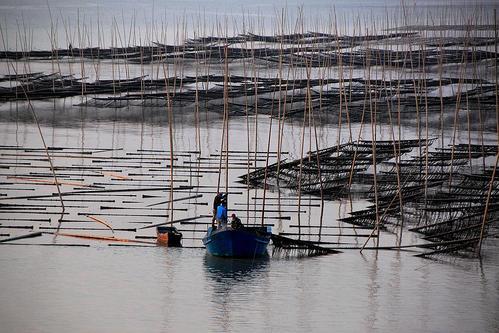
x,y
237,243
168,236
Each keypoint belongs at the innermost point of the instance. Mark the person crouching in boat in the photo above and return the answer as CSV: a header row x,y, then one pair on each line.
x,y
222,215
235,222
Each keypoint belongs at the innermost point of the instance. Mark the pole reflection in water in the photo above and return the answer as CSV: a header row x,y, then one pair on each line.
x,y
373,286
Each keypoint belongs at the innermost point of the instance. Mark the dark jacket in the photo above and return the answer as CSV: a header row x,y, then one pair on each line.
x,y
217,201
236,223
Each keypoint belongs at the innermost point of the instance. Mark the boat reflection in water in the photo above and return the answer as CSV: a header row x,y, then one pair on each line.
x,y
232,282
234,269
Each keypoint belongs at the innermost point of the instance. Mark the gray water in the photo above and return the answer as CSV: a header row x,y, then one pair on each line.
x,y
49,287
103,289
42,24
100,288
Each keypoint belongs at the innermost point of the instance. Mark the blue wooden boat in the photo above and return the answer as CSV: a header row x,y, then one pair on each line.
x,y
246,242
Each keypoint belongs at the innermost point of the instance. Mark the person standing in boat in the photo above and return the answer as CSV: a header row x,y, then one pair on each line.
x,y
216,202
222,214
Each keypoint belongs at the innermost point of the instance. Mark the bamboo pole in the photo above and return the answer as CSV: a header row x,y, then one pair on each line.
x,y
458,101
101,238
491,185
98,220
485,213
372,108
496,75
226,111
302,144
33,113
266,167
396,153
30,235
281,111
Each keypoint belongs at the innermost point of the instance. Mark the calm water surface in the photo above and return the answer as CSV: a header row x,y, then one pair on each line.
x,y
138,289
106,289
111,289
34,22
